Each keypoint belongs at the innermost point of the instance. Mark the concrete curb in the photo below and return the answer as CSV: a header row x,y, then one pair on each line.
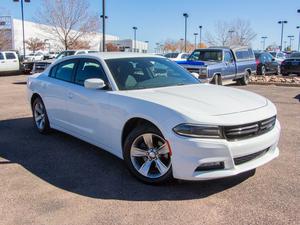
x,y
276,84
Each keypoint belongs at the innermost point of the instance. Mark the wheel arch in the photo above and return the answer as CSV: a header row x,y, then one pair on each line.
x,y
132,123
34,97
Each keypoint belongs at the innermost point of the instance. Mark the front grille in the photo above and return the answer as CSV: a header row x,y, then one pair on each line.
x,y
193,70
247,158
249,130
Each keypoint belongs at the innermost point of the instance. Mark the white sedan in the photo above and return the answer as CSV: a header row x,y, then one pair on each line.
x,y
155,115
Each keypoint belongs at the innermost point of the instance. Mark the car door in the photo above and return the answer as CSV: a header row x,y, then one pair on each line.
x,y
89,108
12,62
55,90
273,64
230,70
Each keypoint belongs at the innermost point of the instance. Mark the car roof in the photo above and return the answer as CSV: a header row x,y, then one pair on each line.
x,y
118,55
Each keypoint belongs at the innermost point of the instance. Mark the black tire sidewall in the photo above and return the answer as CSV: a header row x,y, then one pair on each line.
x,y
126,154
46,128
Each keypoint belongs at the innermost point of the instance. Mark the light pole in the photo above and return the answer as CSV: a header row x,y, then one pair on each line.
x,y
181,44
22,11
195,34
298,27
147,42
157,47
103,17
134,34
264,42
231,34
200,35
185,29
284,45
282,22
291,38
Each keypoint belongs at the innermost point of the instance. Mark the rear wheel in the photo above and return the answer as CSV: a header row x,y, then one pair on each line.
x,y
40,116
262,70
245,79
148,155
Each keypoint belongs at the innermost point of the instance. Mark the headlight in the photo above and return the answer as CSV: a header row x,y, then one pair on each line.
x,y
198,131
203,71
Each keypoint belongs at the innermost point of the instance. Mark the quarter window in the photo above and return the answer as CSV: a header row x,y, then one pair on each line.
x,y
9,55
87,69
1,56
65,70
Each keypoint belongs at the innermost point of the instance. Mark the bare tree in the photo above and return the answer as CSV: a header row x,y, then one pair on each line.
x,y
34,44
80,44
236,32
68,21
110,47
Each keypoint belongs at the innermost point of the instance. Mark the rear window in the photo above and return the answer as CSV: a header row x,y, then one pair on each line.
x,y
10,55
244,54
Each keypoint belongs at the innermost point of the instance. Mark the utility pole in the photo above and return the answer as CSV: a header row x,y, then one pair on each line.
x,y
195,39
23,31
282,22
298,27
264,42
291,37
134,34
103,17
200,35
185,29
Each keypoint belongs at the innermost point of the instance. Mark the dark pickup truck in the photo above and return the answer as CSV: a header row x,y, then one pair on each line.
x,y
216,64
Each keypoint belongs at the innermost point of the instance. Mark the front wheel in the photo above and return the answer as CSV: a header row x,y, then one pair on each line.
x,y
148,155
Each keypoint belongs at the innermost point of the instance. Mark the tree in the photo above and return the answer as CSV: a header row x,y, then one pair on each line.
x,y
80,44
35,44
236,32
68,21
110,47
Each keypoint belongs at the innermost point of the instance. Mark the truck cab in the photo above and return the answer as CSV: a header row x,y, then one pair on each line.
x,y
216,64
9,62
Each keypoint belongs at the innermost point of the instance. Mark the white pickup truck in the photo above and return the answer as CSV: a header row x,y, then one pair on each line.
x,y
9,62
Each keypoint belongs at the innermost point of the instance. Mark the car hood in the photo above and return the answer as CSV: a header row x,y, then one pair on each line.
x,y
201,98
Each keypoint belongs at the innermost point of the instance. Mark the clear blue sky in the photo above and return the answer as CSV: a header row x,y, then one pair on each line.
x,y
158,20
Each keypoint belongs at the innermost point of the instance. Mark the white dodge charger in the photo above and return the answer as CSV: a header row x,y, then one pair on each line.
x,y
155,115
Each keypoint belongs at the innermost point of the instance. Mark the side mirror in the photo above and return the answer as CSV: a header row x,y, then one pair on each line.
x,y
195,75
94,83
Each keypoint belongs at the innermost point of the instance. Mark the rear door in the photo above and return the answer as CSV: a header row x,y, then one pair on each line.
x,y
12,62
272,64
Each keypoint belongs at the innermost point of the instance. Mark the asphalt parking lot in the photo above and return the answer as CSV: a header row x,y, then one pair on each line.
x,y
58,179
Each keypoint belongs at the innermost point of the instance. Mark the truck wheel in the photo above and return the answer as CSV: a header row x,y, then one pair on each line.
x,y
217,80
245,79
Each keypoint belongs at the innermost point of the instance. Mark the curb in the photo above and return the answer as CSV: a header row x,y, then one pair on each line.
x,y
276,84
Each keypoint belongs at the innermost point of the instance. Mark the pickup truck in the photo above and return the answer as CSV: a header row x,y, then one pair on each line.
x,y
216,64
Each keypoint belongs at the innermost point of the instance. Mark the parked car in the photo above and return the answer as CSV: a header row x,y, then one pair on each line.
x,y
266,64
74,52
217,64
32,57
155,115
291,65
295,55
9,62
175,56
279,56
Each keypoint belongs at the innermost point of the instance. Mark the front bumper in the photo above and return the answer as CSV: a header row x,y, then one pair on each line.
x,y
190,153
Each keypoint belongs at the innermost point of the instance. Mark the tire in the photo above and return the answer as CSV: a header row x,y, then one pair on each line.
x,y
262,71
245,79
147,155
217,80
278,71
40,116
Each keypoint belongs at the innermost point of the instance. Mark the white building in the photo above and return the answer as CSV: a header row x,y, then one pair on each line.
x,y
128,45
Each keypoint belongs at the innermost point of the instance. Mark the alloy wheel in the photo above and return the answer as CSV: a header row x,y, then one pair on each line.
x,y
150,155
39,115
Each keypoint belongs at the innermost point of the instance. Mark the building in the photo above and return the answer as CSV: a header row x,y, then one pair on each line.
x,y
128,45
13,31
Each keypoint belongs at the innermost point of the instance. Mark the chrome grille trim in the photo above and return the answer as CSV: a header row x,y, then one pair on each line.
x,y
244,131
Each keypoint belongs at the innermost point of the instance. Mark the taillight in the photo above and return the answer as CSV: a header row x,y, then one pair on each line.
x,y
257,62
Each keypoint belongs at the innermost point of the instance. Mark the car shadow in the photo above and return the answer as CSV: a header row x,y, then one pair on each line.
x,y
297,97
81,168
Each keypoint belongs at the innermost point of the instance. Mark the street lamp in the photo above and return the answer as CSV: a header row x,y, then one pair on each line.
x,y
103,17
195,34
134,33
298,27
181,44
282,22
200,35
264,42
185,29
291,37
231,33
22,11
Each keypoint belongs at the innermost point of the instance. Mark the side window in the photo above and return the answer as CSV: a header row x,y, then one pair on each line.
x,y
239,55
10,55
53,71
65,70
89,68
228,57
1,56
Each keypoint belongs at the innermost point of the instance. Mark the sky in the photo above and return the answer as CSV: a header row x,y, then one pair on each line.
x,y
159,20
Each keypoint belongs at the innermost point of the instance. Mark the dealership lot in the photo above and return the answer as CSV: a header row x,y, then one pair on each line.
x,y
57,179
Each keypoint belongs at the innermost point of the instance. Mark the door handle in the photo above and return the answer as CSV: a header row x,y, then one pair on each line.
x,y
2,61
70,95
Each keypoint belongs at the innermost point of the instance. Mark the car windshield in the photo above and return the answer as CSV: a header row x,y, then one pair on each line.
x,y
206,55
148,72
